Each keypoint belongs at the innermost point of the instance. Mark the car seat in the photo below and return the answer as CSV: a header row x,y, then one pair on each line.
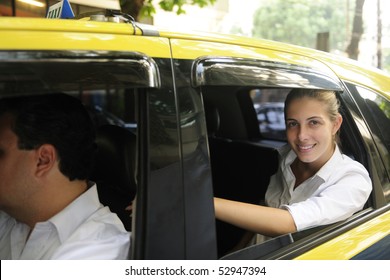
x,y
241,171
114,169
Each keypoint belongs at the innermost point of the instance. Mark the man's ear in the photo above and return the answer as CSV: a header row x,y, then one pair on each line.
x,y
46,158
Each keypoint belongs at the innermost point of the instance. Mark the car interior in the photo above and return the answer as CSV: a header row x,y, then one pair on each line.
x,y
114,170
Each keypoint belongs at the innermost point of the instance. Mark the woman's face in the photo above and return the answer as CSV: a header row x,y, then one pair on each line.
x,y
310,131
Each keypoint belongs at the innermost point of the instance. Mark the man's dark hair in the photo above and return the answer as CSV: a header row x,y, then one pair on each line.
x,y
57,119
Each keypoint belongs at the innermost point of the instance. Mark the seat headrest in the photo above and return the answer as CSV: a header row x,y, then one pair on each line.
x,y
114,170
116,158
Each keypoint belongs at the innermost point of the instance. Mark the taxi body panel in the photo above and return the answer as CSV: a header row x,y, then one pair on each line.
x,y
161,84
348,245
78,35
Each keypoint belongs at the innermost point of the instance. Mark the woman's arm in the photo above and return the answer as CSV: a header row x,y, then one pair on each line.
x,y
261,219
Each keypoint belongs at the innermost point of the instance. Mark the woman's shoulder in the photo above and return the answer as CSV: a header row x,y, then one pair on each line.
x,y
342,158
349,161
340,164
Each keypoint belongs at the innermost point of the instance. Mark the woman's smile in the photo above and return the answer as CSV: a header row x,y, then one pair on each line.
x,y
305,148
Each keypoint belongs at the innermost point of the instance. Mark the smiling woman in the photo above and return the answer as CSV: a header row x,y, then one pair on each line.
x,y
315,184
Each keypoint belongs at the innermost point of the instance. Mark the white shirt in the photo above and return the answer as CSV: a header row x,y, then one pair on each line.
x,y
338,190
85,229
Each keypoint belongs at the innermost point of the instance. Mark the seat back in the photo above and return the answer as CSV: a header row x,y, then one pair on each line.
x,y
212,119
241,171
114,170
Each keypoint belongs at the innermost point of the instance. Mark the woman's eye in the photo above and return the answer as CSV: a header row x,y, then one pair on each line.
x,y
291,124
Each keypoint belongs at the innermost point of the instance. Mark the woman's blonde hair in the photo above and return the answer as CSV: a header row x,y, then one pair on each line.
x,y
327,97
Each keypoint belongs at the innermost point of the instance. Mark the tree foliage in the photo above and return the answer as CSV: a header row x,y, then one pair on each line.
x,y
299,21
138,8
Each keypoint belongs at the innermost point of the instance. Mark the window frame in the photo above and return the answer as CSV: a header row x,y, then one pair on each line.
x,y
235,71
145,67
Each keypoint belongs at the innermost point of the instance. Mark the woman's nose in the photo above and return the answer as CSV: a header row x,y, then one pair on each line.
x,y
302,133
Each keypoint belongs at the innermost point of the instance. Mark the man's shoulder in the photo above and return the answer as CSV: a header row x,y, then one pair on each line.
x,y
4,217
103,217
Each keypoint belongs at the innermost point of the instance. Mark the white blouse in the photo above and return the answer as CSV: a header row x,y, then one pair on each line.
x,y
338,190
85,229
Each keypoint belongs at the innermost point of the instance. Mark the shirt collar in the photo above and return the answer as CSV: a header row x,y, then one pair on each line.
x,y
69,219
324,172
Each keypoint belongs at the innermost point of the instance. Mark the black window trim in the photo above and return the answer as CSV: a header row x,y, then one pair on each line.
x,y
230,71
137,60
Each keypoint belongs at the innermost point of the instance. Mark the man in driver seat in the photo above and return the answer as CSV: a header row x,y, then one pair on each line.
x,y
48,208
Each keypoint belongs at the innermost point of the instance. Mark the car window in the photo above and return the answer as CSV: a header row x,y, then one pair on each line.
x,y
105,82
376,111
111,107
244,106
109,86
269,107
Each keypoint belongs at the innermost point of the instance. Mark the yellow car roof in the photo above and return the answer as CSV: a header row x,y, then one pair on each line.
x,y
346,69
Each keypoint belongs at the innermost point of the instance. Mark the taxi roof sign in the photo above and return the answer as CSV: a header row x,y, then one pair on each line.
x,y
60,10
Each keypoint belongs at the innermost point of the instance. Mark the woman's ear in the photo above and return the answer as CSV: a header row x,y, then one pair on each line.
x,y
337,124
46,158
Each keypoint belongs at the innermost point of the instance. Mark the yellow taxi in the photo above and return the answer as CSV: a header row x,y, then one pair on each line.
x,y
205,112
